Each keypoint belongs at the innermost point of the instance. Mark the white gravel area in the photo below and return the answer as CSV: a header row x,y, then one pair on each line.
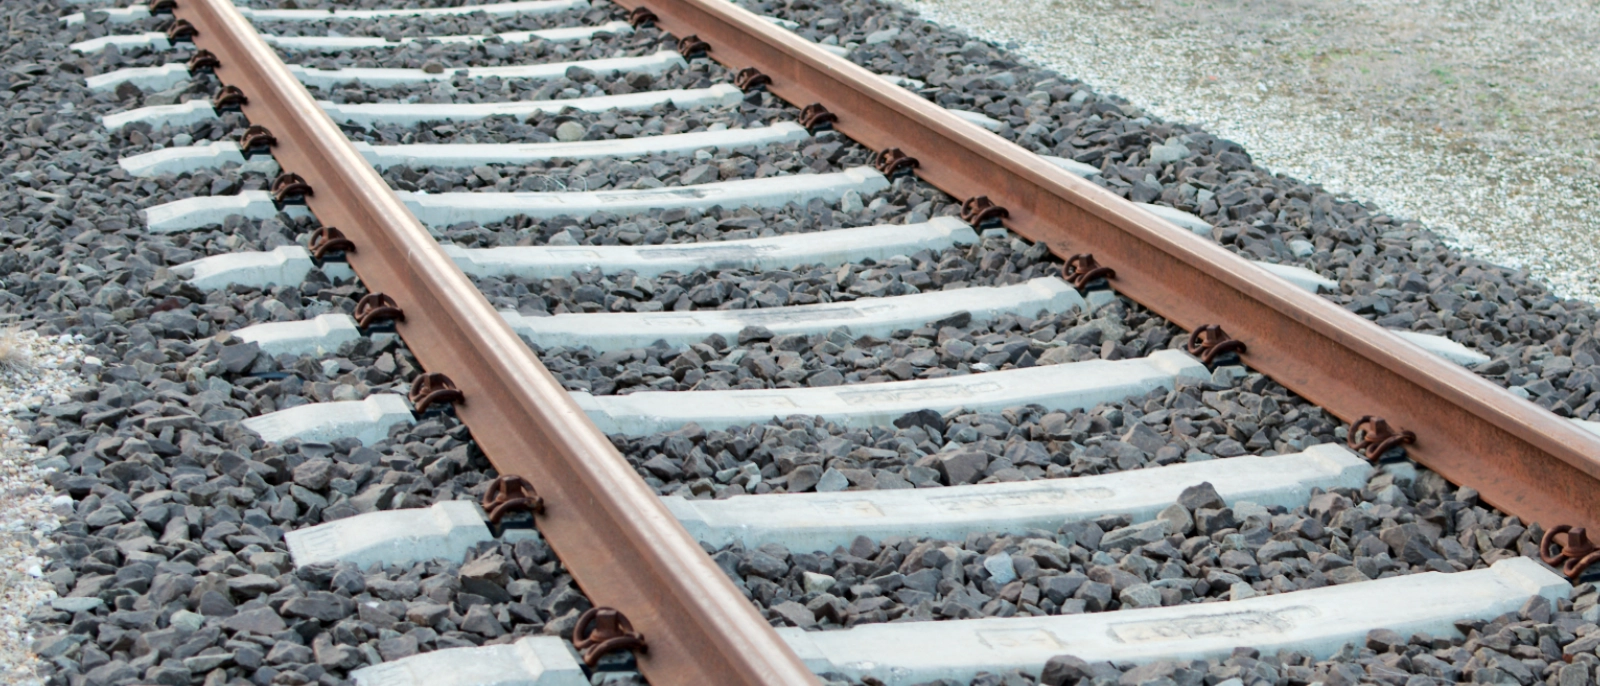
x,y
1472,116
34,370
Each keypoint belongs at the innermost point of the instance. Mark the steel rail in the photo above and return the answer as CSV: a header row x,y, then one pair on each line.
x,y
610,531
1521,458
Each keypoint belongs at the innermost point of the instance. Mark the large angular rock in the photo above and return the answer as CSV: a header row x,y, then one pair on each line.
x,y
260,621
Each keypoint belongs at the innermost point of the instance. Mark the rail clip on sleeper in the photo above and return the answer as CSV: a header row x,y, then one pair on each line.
x,y
1573,555
434,393
510,503
1214,347
1372,436
378,312
603,630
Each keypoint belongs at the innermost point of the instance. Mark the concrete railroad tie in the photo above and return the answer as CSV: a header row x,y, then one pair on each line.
x,y
805,522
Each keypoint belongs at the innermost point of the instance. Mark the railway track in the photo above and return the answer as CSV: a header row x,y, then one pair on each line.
x,y
667,342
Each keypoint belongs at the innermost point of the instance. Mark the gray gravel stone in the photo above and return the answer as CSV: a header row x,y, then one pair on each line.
x,y
925,449
937,349
175,529
1110,564
1391,270
1539,644
150,450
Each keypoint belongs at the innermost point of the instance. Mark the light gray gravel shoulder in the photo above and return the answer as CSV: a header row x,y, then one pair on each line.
x,y
1197,550
1391,270
34,370
1470,117
171,515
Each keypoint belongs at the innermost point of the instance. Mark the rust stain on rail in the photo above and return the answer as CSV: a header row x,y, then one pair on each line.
x,y
610,530
1521,458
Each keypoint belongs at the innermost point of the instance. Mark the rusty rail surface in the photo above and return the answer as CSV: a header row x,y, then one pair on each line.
x,y
611,532
1521,458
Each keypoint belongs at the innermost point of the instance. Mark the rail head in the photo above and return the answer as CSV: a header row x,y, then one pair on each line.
x,y
609,529
701,630
1521,458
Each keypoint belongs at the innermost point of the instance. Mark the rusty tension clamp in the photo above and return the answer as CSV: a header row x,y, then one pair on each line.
x,y
1372,436
691,47
1086,274
641,17
510,503
816,118
203,62
436,392
1214,346
603,630
181,31
290,189
378,312
257,140
894,162
982,213
229,99
750,79
328,244
1573,556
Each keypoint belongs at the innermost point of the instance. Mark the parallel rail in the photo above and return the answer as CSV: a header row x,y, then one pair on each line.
x,y
610,531
1520,457
624,548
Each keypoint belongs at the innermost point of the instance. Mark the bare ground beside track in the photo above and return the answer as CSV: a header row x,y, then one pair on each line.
x,y
1475,117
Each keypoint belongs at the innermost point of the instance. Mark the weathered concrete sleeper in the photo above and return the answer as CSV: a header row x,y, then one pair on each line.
x,y
212,155
163,77
446,530
532,661
1060,386
804,522
864,317
445,209
320,335
155,40
410,114
137,13
1317,621
367,420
